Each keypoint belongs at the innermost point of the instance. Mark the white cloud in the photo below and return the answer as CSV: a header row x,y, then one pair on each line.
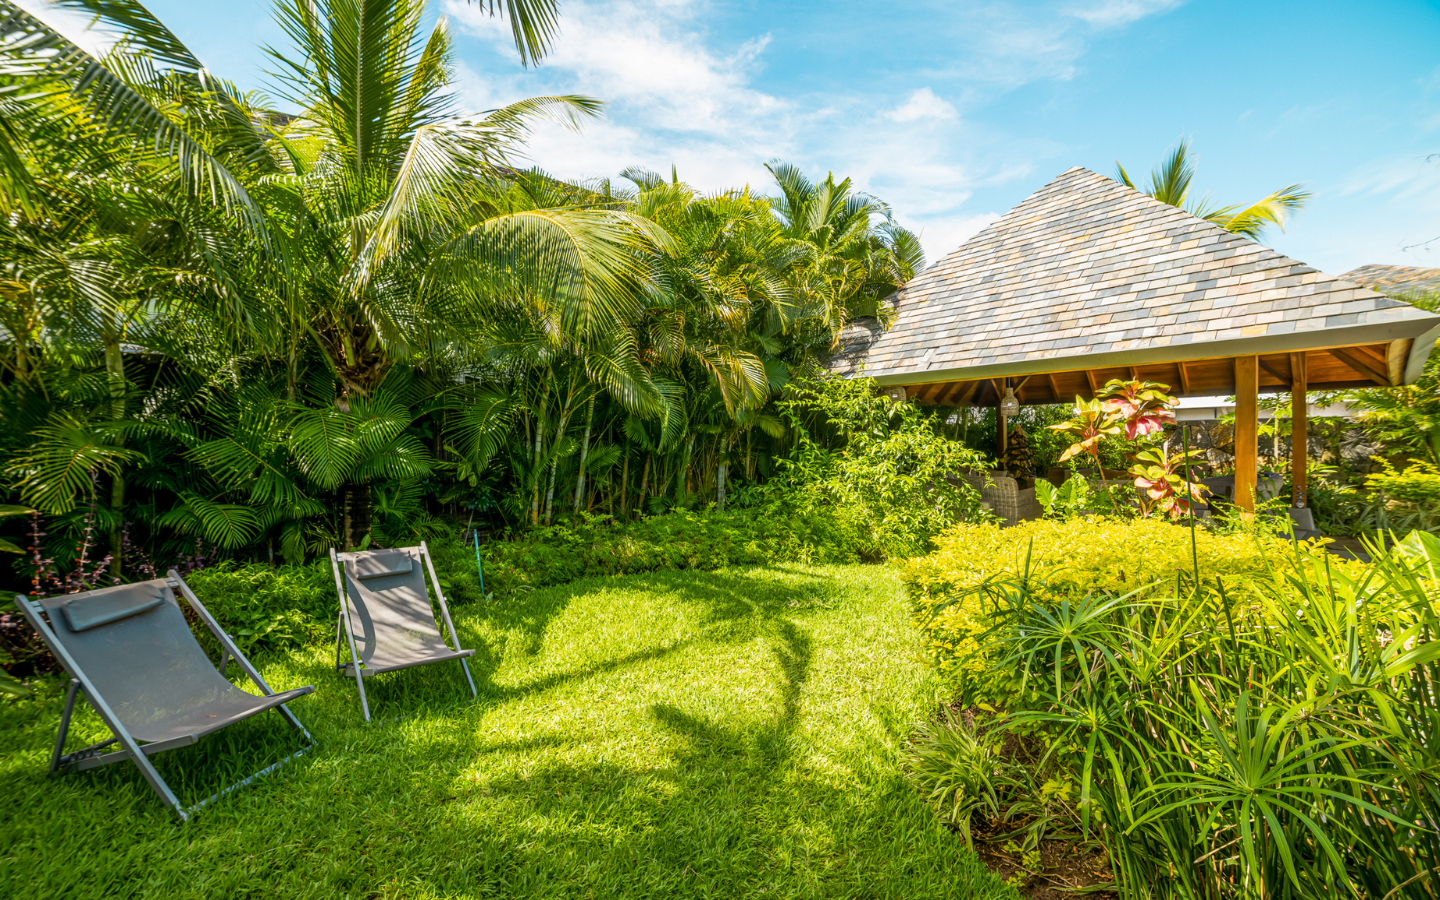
x,y
72,24
1112,13
670,98
1385,212
674,97
923,104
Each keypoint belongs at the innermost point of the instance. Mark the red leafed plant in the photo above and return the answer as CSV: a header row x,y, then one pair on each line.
x,y
1144,406
1161,480
1135,409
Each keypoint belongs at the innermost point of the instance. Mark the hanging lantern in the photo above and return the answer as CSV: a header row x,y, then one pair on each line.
x,y
896,393
1010,406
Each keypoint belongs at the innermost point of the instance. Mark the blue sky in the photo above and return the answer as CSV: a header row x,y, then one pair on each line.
x,y
954,112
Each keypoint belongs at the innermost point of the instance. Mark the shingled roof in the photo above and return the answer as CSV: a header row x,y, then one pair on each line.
x,y
1396,279
1088,273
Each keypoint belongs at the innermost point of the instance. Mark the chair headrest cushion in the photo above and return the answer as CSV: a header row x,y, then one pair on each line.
x,y
381,563
93,610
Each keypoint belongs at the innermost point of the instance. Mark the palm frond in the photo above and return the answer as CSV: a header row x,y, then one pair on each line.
x,y
532,22
58,68
65,455
1272,210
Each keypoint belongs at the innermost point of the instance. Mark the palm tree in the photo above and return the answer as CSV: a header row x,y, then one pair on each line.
x,y
1170,183
856,255
374,224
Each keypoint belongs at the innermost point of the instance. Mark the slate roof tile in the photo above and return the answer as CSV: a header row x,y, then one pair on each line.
x,y
1086,265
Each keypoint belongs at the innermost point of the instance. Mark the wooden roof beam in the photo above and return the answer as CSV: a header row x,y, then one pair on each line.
x,y
1274,372
1184,378
1395,356
1362,364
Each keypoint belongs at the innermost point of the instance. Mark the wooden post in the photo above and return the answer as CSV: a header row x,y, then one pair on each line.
x,y
999,431
1299,431
1247,429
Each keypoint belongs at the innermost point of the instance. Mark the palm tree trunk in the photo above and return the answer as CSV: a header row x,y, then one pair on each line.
x,y
684,468
624,489
720,483
550,492
644,483
535,474
115,376
584,451
555,463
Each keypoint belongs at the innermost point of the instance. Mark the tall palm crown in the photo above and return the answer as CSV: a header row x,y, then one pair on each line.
x,y
853,261
1170,183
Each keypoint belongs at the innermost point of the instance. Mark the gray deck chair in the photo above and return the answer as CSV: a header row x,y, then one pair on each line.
x,y
386,615
131,651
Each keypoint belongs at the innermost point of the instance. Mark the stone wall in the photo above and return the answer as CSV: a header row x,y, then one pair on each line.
x,y
1331,442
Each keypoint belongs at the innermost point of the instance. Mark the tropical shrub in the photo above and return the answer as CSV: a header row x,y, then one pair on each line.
x,y
954,589
1265,732
1136,411
878,469
269,607
1403,500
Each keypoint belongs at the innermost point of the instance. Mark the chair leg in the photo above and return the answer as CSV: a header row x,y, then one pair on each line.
x,y
360,686
64,726
468,680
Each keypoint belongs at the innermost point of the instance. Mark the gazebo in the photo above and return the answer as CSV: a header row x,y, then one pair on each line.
x,y
1089,280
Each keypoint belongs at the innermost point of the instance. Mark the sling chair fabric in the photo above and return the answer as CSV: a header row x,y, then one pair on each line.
x,y
131,651
386,615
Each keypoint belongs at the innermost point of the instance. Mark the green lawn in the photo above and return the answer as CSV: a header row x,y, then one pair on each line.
x,y
681,734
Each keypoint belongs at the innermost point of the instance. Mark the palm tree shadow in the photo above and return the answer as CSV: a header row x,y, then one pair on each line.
x,y
734,602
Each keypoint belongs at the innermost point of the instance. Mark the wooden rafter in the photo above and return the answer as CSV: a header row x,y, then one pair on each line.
x,y
1362,364
1184,378
1054,388
1274,372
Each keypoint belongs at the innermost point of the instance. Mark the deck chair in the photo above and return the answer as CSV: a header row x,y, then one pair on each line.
x,y
385,615
131,651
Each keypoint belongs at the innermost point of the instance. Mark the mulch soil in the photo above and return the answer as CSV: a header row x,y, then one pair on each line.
x,y
1064,867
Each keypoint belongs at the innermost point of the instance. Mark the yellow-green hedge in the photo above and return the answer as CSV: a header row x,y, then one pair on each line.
x,y
1074,558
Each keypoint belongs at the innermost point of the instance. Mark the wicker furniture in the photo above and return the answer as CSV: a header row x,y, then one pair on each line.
x,y
1009,501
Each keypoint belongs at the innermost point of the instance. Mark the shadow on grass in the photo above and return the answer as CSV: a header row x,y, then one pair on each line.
x,y
512,795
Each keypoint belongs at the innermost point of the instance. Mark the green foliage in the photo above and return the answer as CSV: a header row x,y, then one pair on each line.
x,y
956,770
1265,733
1071,499
269,608
878,468
681,539
974,567
281,334
1404,500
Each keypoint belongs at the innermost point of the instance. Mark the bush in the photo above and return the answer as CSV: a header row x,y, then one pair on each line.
x,y
1265,731
1402,501
682,539
953,589
263,607
873,470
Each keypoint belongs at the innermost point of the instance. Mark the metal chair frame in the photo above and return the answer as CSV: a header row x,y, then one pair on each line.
x,y
90,757
345,630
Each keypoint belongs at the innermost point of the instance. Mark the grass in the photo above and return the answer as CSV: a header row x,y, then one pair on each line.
x,y
678,734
